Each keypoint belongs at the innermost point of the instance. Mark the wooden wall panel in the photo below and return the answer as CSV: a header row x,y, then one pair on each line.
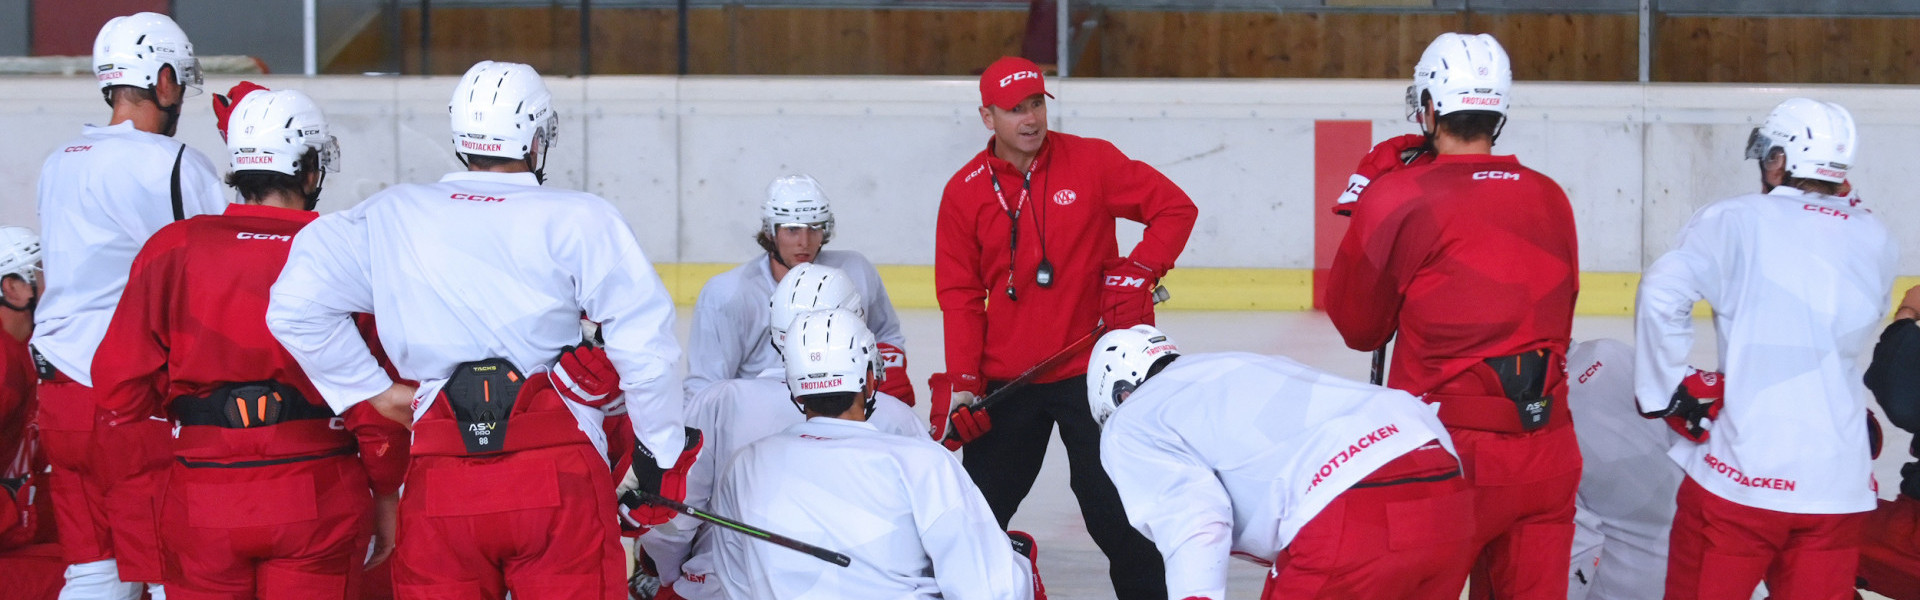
x,y
1782,50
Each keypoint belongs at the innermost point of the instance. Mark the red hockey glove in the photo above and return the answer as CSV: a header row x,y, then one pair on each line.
x,y
649,480
952,419
1127,294
1024,545
893,380
1385,158
223,105
1695,404
584,375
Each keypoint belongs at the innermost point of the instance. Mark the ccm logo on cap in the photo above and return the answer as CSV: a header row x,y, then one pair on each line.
x,y
263,236
1008,80
477,198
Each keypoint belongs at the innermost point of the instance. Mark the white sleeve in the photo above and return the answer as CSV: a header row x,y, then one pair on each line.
x,y
1175,501
713,345
326,280
201,191
1663,311
972,558
881,319
619,289
731,564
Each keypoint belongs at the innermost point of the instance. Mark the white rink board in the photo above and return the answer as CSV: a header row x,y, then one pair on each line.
x,y
687,159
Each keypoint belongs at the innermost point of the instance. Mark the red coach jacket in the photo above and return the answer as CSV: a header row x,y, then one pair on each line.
x,y
1079,186
193,318
1467,258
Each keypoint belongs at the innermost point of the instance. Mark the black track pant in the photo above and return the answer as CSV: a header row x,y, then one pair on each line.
x,y
1006,460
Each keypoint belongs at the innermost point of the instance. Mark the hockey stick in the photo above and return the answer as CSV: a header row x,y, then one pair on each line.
x,y
1160,294
636,498
1379,373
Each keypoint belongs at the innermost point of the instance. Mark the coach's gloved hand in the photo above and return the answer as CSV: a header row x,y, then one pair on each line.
x,y
1024,545
1388,156
649,481
893,378
585,375
223,105
1127,294
1695,404
952,418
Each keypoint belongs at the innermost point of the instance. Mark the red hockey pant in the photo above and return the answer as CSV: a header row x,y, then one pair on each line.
x,y
1722,549
1402,541
33,572
1523,486
296,530
84,513
538,523
1890,550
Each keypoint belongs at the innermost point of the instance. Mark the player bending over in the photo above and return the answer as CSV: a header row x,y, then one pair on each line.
x,y
729,338
900,506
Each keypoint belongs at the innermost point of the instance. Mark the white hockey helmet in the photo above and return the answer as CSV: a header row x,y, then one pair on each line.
x,y
503,110
19,252
273,130
130,51
810,287
1461,73
796,200
1817,137
832,352
1120,363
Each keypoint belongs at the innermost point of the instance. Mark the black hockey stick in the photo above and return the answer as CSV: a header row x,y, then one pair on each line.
x,y
1160,294
637,497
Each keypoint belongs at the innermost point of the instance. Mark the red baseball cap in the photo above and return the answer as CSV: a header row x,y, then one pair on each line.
x,y
1009,81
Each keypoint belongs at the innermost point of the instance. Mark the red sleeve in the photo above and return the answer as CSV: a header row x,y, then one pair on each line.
x,y
384,444
1136,191
130,367
1377,259
956,277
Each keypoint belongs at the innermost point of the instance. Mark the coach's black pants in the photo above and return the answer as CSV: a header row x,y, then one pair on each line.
x,y
1006,460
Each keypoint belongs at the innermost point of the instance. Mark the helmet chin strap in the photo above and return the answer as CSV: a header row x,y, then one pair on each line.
x,y
313,197
172,122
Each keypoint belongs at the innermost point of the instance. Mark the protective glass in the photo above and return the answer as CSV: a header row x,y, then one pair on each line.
x,y
1413,103
1758,144
329,154
820,228
190,77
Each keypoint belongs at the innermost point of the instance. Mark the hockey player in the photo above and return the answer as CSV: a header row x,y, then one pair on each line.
x,y
1030,197
899,506
736,412
101,196
1266,458
268,492
1890,550
729,339
1470,261
1626,480
480,281
1797,278
29,552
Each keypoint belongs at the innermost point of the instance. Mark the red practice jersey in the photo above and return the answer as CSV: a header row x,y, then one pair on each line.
x,y
1466,258
21,461
1078,187
193,318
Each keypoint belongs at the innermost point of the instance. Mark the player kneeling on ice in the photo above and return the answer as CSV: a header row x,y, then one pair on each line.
x,y
900,506
737,412
482,279
1351,490
729,339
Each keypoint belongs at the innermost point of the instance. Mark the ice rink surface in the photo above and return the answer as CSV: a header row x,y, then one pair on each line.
x,y
1073,567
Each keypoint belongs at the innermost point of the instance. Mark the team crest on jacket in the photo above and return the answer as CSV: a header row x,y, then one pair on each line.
x,y
1064,197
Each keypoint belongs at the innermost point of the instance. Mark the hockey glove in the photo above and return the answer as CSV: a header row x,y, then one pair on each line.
x,y
1695,404
223,105
649,480
952,419
893,379
585,375
1388,156
1024,545
1127,294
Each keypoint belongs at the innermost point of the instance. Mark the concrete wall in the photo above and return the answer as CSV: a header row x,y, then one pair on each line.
x,y
687,160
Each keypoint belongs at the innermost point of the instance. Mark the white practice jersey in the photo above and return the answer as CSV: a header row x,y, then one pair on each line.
x,y
731,336
731,414
480,265
1627,483
1798,283
1233,453
101,196
901,507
